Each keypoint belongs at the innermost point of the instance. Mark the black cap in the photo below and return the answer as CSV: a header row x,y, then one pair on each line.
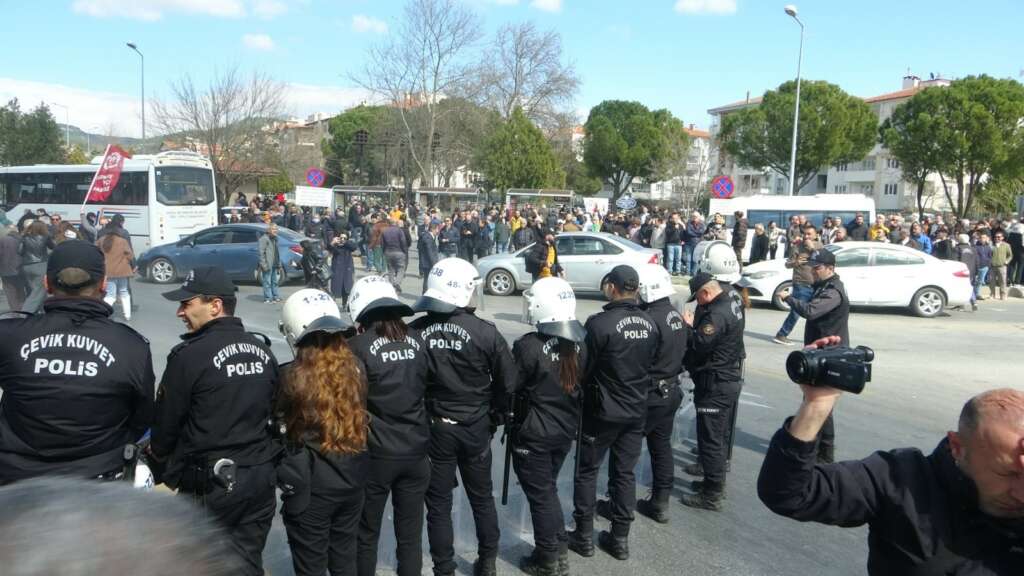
x,y
699,280
624,277
76,254
822,258
204,281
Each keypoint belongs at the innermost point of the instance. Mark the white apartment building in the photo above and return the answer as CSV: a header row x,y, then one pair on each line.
x,y
878,175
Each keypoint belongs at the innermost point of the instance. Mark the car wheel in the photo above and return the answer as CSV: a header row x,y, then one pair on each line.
x,y
928,302
501,283
162,271
777,300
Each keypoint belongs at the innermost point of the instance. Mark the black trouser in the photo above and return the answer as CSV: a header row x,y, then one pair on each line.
x,y
466,448
715,402
245,513
538,474
624,441
661,418
323,536
406,481
424,275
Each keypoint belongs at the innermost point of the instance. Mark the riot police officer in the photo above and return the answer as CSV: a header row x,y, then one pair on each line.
x,y
77,386
665,395
397,367
551,362
621,344
471,373
212,409
322,406
715,362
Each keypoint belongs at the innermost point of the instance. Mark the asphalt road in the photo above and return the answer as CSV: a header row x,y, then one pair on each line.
x,y
925,369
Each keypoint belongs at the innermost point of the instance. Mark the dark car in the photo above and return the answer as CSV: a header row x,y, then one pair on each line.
x,y
233,247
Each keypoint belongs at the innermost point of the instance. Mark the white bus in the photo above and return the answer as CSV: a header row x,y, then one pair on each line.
x,y
766,208
163,197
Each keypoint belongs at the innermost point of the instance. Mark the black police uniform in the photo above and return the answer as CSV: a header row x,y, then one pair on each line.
x,y
922,511
828,314
214,401
621,345
77,387
471,373
715,363
398,443
663,401
544,434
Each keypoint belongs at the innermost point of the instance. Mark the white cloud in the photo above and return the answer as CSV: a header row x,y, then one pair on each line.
x,y
547,5
305,99
268,9
361,23
93,111
151,10
258,42
706,6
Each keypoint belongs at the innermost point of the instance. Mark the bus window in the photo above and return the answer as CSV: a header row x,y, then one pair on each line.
x,y
131,190
34,188
764,217
72,186
812,217
184,186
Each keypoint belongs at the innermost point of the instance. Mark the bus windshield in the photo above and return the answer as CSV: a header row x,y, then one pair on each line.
x,y
181,186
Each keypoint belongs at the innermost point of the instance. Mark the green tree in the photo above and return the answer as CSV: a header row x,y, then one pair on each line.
x,y
77,155
835,128
913,134
349,151
625,140
29,138
519,156
279,183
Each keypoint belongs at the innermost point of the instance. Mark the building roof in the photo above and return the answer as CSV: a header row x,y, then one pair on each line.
x,y
736,105
697,133
906,93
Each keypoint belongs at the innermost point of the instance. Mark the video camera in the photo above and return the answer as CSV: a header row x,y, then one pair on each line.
x,y
839,367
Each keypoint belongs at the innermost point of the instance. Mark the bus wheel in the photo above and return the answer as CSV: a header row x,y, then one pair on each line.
x,y
162,271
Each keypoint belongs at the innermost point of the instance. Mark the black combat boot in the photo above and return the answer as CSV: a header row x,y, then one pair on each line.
x,y
616,546
655,507
485,567
709,498
563,559
536,565
698,486
581,540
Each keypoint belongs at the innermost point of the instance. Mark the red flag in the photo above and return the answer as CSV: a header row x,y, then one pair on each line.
x,y
105,180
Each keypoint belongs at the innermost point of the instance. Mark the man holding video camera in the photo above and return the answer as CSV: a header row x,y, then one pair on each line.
x,y
827,314
959,510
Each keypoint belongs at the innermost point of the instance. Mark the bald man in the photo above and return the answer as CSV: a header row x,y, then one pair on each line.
x,y
959,510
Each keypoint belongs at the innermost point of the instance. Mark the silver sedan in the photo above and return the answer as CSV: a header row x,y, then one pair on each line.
x,y
586,257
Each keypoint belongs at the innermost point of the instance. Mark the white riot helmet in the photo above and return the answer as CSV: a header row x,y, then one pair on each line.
x,y
450,286
374,293
551,307
655,283
718,259
308,311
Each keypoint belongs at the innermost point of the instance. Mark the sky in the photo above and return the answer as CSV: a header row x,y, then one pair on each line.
x,y
684,55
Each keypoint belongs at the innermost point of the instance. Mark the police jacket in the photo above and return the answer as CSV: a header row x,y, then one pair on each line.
x,y
396,375
471,366
550,416
827,312
716,345
668,360
77,387
215,398
922,512
622,342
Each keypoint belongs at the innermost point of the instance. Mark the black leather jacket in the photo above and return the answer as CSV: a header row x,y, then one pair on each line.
x,y
35,249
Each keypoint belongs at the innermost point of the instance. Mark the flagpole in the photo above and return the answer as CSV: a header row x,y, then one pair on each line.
x,y
81,212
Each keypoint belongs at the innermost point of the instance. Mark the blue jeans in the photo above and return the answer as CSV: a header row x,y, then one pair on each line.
x,y
981,280
501,248
688,261
675,255
270,279
800,292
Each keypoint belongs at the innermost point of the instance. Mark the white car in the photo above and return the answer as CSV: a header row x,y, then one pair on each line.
x,y
875,274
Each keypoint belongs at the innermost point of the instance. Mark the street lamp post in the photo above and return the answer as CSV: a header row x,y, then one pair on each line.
x,y
142,67
791,11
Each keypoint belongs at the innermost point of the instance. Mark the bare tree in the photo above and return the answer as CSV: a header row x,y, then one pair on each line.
x,y
426,61
229,120
524,69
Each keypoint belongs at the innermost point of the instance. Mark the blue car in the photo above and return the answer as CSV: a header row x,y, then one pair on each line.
x,y
233,247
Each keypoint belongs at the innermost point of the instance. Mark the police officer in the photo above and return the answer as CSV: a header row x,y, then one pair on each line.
x,y
827,314
322,406
471,373
715,362
665,395
77,386
212,409
551,362
397,367
621,344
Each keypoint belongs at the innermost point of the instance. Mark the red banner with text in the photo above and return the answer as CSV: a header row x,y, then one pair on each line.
x,y
106,178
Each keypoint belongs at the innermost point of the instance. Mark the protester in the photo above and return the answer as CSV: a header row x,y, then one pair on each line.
x,y
34,249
